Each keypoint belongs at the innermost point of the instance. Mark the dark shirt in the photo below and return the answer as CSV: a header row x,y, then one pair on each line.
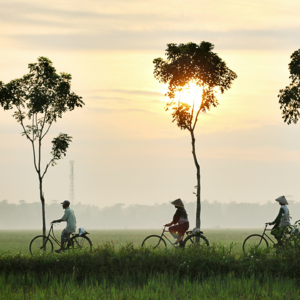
x,y
180,212
278,218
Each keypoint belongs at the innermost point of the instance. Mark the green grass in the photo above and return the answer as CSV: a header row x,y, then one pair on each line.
x,y
18,241
159,287
122,270
137,264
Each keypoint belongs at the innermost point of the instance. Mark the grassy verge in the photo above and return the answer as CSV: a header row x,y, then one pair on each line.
x,y
137,264
128,272
158,287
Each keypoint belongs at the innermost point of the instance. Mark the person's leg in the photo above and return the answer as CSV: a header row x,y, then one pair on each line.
x,y
279,235
65,236
174,231
61,242
178,231
185,227
277,231
182,228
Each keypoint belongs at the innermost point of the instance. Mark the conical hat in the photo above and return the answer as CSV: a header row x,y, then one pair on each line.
x,y
281,200
177,202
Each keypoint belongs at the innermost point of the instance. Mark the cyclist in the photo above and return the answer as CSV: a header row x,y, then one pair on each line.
x,y
180,217
282,220
70,218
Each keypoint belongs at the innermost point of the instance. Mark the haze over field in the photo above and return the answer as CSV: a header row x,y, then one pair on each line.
x,y
125,148
215,215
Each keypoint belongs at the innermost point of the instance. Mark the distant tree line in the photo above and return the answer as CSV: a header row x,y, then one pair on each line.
x,y
217,215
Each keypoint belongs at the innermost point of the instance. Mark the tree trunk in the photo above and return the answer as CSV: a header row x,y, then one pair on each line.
x,y
198,207
41,185
43,206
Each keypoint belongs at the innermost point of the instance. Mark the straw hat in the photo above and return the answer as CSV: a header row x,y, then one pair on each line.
x,y
282,200
177,202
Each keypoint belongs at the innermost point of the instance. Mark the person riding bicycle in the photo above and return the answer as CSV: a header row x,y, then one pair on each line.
x,y
70,218
282,220
180,217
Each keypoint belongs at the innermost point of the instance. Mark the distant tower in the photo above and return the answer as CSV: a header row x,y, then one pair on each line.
x,y
71,192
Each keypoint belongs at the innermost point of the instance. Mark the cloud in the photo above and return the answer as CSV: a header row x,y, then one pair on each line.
x,y
145,15
136,26
127,92
102,110
136,92
108,98
157,40
125,100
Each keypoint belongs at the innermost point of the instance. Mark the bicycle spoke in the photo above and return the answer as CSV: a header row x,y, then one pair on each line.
x,y
80,243
154,242
40,245
254,242
195,241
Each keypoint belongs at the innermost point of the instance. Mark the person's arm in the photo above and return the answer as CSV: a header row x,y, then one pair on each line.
x,y
175,218
57,221
169,224
278,218
64,217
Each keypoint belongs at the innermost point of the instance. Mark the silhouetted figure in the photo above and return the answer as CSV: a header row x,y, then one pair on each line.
x,y
179,218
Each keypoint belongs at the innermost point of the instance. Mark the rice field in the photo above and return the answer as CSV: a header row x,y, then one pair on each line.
x,y
160,287
250,279
18,241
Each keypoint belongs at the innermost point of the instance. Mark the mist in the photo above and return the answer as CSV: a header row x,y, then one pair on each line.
x,y
120,216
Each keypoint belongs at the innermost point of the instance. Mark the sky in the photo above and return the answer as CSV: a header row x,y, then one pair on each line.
x,y
125,147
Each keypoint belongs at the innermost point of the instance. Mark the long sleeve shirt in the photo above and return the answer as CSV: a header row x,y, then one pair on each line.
x,y
278,218
180,216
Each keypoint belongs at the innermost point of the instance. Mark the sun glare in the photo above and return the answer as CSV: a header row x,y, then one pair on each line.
x,y
191,94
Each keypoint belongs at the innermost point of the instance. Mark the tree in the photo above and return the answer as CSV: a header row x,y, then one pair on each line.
x,y
41,96
289,98
187,64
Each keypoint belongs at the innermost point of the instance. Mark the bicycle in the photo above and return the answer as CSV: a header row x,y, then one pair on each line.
x,y
158,242
42,244
191,239
257,240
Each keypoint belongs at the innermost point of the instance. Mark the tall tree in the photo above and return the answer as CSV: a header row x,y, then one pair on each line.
x,y
289,98
41,96
197,64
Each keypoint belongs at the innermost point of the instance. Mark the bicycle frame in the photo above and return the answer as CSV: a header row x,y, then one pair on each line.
x,y
163,235
53,236
265,235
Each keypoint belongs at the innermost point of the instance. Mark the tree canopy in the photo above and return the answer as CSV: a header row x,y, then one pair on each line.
x,y
188,63
41,96
42,90
289,97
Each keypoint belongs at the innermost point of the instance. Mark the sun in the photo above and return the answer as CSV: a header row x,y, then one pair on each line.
x,y
191,94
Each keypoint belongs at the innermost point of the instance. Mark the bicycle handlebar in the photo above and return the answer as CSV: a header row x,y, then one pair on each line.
x,y
164,228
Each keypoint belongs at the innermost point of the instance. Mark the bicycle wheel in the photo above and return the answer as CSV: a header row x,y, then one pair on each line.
x,y
253,242
80,243
37,245
190,241
154,242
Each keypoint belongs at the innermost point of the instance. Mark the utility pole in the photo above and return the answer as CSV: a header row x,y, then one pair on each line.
x,y
71,191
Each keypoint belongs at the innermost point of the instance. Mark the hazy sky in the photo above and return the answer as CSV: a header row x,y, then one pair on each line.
x,y
125,147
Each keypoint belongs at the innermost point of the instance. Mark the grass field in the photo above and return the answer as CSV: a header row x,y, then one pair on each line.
x,y
125,271
18,241
160,287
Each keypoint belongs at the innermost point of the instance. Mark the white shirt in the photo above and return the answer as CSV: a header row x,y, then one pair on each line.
x,y
70,218
285,219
